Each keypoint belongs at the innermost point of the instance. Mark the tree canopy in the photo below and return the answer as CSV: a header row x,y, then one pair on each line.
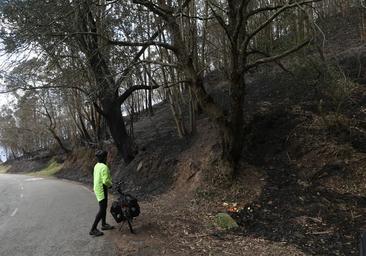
x,y
84,66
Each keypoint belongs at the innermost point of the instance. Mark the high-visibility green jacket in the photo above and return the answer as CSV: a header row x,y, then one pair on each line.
x,y
102,176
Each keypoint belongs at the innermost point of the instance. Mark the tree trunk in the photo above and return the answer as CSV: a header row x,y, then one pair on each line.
x,y
108,89
230,145
59,141
118,131
192,112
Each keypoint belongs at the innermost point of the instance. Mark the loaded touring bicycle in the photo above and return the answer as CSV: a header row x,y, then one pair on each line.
x,y
125,209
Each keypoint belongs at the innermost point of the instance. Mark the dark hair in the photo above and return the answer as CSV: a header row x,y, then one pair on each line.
x,y
101,156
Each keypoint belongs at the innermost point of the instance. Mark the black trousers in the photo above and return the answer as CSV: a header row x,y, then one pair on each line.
x,y
102,213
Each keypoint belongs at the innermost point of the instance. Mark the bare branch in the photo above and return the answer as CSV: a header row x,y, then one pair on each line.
x,y
164,13
279,11
32,88
112,41
276,7
222,23
165,64
168,85
278,62
136,59
130,90
149,43
239,23
193,17
276,57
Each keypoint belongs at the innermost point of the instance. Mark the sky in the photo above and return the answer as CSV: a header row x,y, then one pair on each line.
x,y
5,99
2,154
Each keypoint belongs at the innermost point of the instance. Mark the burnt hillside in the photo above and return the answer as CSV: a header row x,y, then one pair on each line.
x,y
300,186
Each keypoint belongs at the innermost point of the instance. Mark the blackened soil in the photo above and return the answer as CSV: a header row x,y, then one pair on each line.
x,y
153,171
318,221
296,210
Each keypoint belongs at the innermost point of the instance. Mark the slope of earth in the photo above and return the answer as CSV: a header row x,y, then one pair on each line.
x,y
341,32
153,170
301,189
309,139
314,196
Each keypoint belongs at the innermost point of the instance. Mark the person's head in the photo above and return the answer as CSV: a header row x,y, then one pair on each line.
x,y
101,156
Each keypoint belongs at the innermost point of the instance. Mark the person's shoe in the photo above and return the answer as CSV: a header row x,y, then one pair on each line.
x,y
96,232
107,227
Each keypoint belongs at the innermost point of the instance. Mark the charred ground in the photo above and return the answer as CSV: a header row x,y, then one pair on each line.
x,y
303,172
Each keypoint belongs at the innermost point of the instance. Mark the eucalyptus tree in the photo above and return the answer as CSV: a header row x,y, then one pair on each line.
x,y
89,32
40,109
8,133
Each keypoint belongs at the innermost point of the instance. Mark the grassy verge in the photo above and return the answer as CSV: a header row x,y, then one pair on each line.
x,y
51,169
4,168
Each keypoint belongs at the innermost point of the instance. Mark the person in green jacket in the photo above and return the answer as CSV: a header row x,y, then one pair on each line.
x,y
102,181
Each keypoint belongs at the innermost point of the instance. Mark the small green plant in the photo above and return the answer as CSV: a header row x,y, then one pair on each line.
x,y
225,221
328,79
51,169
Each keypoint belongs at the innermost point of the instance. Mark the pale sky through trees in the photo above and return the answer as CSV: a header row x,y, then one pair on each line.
x,y
100,62
5,99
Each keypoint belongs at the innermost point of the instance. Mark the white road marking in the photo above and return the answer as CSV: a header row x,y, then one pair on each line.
x,y
21,187
34,179
21,195
14,212
87,189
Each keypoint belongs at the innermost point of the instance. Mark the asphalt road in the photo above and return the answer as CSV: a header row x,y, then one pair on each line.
x,y
47,217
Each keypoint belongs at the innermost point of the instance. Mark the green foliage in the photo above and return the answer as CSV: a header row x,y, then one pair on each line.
x,y
225,221
51,169
333,87
4,168
330,89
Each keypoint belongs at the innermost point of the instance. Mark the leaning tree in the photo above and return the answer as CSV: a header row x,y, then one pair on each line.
x,y
238,19
86,31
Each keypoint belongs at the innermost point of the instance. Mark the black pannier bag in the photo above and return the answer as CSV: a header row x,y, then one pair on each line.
x,y
125,208
116,212
126,200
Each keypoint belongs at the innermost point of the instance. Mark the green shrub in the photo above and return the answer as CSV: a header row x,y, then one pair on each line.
x,y
51,169
4,168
